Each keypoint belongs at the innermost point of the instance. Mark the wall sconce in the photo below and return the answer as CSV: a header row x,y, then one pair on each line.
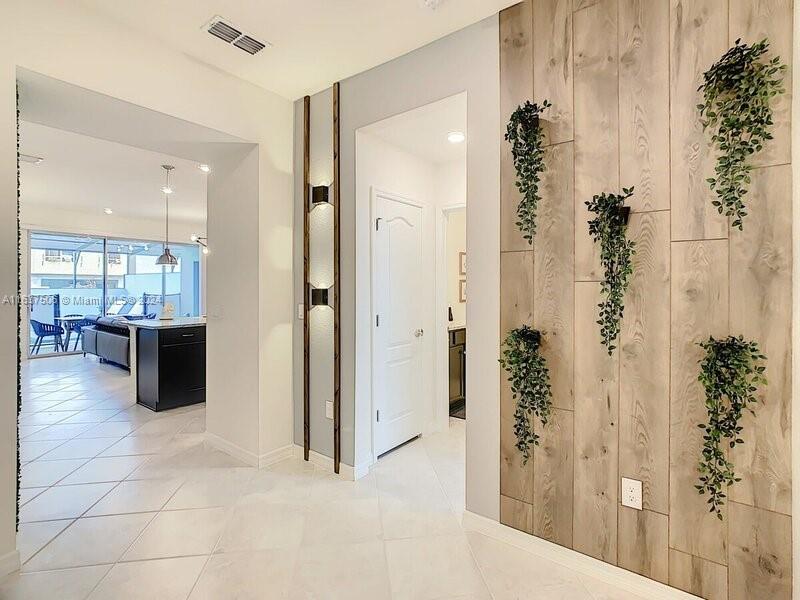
x,y
320,194
319,297
201,241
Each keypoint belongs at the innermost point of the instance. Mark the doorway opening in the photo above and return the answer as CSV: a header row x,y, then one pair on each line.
x,y
455,225
411,173
93,220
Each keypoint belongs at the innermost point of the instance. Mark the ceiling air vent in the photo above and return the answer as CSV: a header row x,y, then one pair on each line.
x,y
223,30
248,44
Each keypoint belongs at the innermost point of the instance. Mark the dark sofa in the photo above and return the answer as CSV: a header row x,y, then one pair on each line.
x,y
109,339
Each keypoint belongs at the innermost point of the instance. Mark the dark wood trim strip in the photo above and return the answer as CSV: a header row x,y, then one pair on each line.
x,y
337,311
306,292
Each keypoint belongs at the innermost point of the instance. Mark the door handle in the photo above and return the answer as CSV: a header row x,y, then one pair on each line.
x,y
419,333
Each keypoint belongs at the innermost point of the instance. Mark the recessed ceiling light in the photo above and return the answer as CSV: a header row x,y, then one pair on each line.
x,y
108,211
204,168
456,137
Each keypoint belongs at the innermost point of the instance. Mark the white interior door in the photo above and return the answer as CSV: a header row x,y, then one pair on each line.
x,y
397,319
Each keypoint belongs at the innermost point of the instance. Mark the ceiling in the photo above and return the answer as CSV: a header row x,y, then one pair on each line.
x,y
62,105
86,174
313,42
423,131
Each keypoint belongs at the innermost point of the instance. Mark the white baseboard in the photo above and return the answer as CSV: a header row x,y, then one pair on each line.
x,y
586,565
9,563
361,470
277,455
247,457
346,472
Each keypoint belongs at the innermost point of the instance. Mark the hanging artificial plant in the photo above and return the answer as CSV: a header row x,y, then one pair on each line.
x,y
730,372
737,92
530,385
616,253
527,138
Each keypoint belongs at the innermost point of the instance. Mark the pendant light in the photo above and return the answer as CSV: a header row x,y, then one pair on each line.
x,y
167,258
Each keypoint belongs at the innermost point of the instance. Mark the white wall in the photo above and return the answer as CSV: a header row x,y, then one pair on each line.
x,y
70,43
233,404
466,61
451,183
41,218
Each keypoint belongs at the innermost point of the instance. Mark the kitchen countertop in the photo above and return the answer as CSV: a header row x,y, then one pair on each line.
x,y
171,324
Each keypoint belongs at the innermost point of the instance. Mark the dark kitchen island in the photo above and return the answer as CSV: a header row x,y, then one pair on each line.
x,y
169,362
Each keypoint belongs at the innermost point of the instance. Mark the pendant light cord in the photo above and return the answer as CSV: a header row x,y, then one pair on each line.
x,y
166,201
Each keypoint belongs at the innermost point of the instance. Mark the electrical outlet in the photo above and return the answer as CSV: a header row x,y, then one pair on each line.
x,y
632,493
328,409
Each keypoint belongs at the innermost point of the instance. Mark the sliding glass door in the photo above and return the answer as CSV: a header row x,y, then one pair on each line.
x,y
137,286
66,282
73,278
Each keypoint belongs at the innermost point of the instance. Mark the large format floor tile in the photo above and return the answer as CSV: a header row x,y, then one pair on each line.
x,y
258,525
219,487
247,576
31,450
108,429
48,472
341,572
58,432
179,533
130,445
32,537
511,574
105,468
63,502
79,448
136,496
169,579
90,541
67,584
156,513
343,522
433,567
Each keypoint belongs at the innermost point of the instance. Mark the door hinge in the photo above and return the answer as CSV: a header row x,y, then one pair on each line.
x,y
378,416
377,320
377,223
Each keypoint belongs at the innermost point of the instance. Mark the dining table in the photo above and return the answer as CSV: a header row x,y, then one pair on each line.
x,y
68,323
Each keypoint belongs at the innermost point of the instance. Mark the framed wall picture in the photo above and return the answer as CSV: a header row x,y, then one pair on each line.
x,y
462,290
462,263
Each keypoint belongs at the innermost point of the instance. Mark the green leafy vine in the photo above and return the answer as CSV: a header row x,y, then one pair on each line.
x,y
737,91
730,372
609,228
530,385
527,138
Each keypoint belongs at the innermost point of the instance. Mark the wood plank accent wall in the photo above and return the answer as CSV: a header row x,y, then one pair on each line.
x,y
623,76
